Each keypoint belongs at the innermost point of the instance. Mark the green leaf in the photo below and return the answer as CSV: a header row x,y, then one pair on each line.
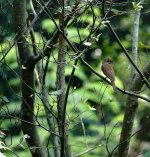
x,y
49,25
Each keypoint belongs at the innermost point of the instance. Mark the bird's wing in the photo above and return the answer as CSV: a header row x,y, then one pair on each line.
x,y
108,71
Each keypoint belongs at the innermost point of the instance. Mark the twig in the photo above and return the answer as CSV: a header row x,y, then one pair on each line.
x,y
87,151
122,47
103,78
32,8
50,43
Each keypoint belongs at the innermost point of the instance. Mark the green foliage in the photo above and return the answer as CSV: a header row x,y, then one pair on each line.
x,y
93,107
73,34
49,25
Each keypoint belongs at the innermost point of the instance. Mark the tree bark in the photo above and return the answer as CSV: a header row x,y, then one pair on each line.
x,y
60,84
27,79
131,106
135,35
50,118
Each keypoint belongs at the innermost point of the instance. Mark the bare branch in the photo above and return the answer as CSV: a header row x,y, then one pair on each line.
x,y
122,47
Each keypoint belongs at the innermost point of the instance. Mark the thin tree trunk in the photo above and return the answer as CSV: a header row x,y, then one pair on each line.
x,y
131,106
27,78
51,123
47,106
50,118
135,86
60,84
135,35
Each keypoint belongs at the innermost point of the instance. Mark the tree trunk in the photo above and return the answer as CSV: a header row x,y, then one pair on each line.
x,y
131,106
27,79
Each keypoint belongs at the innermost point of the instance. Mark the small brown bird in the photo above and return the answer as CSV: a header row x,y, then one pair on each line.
x,y
108,71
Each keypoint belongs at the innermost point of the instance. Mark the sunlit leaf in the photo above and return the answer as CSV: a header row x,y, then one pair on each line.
x,y
92,108
87,43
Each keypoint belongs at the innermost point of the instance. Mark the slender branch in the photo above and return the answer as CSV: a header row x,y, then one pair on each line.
x,y
123,48
6,53
100,76
65,106
27,122
121,143
88,151
50,43
32,8
32,38
40,12
104,79
126,53
51,118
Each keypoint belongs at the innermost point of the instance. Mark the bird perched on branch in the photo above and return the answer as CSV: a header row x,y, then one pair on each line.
x,y
108,71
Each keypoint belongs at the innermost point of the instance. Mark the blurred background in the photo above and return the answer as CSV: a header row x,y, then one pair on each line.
x,y
94,110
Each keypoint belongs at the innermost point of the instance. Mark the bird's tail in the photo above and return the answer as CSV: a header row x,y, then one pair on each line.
x,y
113,85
